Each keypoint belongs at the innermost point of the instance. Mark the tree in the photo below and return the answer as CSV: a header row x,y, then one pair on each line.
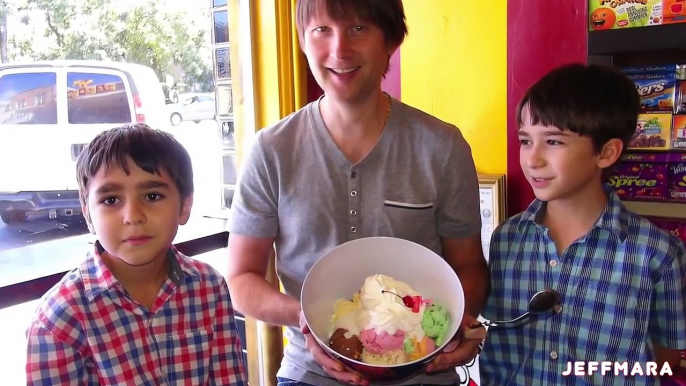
x,y
4,9
146,33
70,29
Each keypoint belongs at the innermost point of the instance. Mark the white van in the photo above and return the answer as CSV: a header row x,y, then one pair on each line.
x,y
49,110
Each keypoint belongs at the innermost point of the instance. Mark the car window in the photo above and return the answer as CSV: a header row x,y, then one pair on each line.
x,y
97,98
205,99
28,98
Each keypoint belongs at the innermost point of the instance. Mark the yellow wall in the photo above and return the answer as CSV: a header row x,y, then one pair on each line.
x,y
454,65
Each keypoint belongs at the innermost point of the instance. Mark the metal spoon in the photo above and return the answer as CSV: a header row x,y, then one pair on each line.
x,y
542,301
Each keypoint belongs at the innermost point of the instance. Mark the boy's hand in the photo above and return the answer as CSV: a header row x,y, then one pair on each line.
x,y
462,349
332,367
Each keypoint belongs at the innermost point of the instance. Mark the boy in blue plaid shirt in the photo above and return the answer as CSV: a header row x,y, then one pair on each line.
x,y
620,278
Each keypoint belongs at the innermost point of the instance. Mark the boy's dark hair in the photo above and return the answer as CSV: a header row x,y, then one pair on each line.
x,y
596,101
150,149
388,15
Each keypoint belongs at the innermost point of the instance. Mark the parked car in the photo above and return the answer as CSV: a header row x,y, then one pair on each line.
x,y
49,110
192,107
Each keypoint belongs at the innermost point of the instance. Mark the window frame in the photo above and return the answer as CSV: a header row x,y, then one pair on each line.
x,y
243,121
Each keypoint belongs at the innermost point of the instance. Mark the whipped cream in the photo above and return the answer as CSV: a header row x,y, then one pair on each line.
x,y
386,311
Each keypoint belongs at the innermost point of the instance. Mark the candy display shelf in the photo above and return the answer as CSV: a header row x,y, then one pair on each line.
x,y
672,210
638,40
642,46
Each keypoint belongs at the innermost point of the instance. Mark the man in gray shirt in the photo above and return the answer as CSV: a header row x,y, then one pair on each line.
x,y
355,163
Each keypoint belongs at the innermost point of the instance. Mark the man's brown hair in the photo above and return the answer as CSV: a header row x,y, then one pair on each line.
x,y
387,15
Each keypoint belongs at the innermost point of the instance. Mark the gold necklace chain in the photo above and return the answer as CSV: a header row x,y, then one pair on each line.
x,y
388,113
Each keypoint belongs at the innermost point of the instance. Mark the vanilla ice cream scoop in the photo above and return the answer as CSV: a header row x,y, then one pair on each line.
x,y
349,316
388,358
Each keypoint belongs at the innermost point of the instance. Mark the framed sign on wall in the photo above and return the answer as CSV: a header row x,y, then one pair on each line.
x,y
492,206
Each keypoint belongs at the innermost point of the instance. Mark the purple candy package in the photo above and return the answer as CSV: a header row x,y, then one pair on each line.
x,y
675,227
677,177
642,177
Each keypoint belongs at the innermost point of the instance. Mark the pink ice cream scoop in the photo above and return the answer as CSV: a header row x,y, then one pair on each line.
x,y
383,342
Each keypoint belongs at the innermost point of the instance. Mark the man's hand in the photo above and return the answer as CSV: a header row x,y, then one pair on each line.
x,y
462,349
332,367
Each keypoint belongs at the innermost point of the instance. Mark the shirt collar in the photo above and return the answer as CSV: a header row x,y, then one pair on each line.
x,y
614,217
98,278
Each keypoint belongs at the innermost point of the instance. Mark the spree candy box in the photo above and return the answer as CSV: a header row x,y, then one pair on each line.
x,y
642,176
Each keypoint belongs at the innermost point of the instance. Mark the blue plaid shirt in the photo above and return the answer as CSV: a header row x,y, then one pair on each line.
x,y
621,286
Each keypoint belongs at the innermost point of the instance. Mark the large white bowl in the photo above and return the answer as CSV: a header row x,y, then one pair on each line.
x,y
342,271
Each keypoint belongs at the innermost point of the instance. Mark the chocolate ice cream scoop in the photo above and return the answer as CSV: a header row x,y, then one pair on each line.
x,y
348,347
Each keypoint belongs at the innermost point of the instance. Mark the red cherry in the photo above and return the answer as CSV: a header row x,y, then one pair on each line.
x,y
412,302
417,303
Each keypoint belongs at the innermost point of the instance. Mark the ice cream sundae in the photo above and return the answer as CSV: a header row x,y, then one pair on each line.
x,y
387,323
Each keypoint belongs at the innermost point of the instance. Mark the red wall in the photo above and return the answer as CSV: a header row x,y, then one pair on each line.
x,y
391,83
541,35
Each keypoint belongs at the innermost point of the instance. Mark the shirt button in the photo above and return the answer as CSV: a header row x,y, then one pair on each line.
x,y
353,212
353,229
353,193
553,355
558,309
553,263
353,175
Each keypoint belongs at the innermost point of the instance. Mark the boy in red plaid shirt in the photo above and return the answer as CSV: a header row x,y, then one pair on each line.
x,y
136,311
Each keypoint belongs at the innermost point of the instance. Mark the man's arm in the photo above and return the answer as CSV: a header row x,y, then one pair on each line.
x,y
252,229
459,225
251,293
466,258
51,361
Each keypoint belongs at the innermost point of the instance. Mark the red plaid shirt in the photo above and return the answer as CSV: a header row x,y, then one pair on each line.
x,y
88,331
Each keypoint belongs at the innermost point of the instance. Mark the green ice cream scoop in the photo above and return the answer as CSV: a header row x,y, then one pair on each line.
x,y
408,346
435,323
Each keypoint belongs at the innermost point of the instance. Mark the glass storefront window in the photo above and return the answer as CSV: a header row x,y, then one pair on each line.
x,y
224,99
228,139
190,88
223,62
48,113
221,27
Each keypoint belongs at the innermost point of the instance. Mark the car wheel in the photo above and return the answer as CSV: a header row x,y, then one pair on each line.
x,y
13,216
176,119
197,122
